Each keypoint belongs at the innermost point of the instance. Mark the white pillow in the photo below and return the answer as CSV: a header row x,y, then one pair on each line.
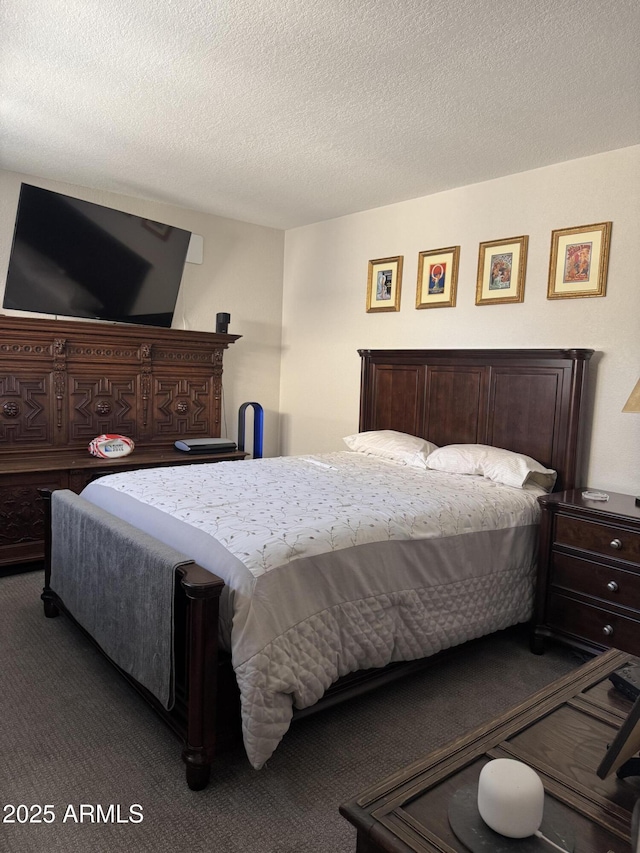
x,y
394,446
494,463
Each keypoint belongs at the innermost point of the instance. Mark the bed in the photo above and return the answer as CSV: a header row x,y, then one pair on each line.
x,y
338,571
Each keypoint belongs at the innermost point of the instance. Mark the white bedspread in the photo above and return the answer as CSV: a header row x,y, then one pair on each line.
x,y
335,563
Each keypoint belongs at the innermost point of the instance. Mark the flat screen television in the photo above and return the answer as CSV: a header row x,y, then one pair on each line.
x,y
79,259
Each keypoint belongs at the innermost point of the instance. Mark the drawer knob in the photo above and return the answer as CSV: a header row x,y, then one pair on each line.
x,y
616,543
607,630
612,586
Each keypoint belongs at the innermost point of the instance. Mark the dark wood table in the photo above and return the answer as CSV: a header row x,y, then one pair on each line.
x,y
562,732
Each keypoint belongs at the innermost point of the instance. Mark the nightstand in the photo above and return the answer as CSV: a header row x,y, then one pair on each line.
x,y
588,590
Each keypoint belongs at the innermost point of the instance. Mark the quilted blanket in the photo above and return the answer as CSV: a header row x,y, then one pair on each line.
x,y
335,563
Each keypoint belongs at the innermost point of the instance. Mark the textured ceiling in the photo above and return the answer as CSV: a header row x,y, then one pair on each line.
x,y
287,112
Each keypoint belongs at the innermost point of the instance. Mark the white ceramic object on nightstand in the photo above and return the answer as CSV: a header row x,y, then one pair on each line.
x,y
510,798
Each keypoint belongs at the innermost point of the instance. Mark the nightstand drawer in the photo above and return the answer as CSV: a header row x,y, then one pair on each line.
x,y
615,585
604,539
594,624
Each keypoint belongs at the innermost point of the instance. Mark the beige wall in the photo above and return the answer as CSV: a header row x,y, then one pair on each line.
x,y
324,319
241,274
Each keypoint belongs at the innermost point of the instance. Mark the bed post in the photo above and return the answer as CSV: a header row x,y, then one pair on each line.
x,y
203,599
50,609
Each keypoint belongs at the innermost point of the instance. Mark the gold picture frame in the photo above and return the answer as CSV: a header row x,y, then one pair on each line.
x,y
438,278
384,283
579,261
502,267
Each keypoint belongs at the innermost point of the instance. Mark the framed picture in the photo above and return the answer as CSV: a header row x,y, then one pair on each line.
x,y
579,261
501,270
384,283
438,278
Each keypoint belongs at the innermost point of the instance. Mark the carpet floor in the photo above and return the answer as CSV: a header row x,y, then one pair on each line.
x,y
73,733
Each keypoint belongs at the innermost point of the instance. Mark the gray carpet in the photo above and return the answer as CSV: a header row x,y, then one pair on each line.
x,y
72,732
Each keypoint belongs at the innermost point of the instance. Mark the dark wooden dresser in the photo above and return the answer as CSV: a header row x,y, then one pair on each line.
x,y
588,590
562,732
62,383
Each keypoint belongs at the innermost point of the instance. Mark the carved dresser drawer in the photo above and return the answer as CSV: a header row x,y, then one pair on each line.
x,y
588,585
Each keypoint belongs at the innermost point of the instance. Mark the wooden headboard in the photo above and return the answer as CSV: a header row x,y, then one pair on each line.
x,y
528,401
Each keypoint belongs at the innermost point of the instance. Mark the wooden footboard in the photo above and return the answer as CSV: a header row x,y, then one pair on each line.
x,y
198,668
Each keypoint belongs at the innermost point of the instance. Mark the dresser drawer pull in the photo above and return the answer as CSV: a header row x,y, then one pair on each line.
x,y
607,630
612,586
616,543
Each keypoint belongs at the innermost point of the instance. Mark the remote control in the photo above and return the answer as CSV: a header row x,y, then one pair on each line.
x,y
627,681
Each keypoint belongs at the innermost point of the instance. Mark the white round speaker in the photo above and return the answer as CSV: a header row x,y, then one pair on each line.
x,y
510,798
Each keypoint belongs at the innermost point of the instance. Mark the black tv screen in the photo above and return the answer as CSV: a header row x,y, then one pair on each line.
x,y
78,259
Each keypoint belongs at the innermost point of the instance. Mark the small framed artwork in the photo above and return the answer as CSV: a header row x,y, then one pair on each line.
x,y
579,261
501,270
384,283
438,278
